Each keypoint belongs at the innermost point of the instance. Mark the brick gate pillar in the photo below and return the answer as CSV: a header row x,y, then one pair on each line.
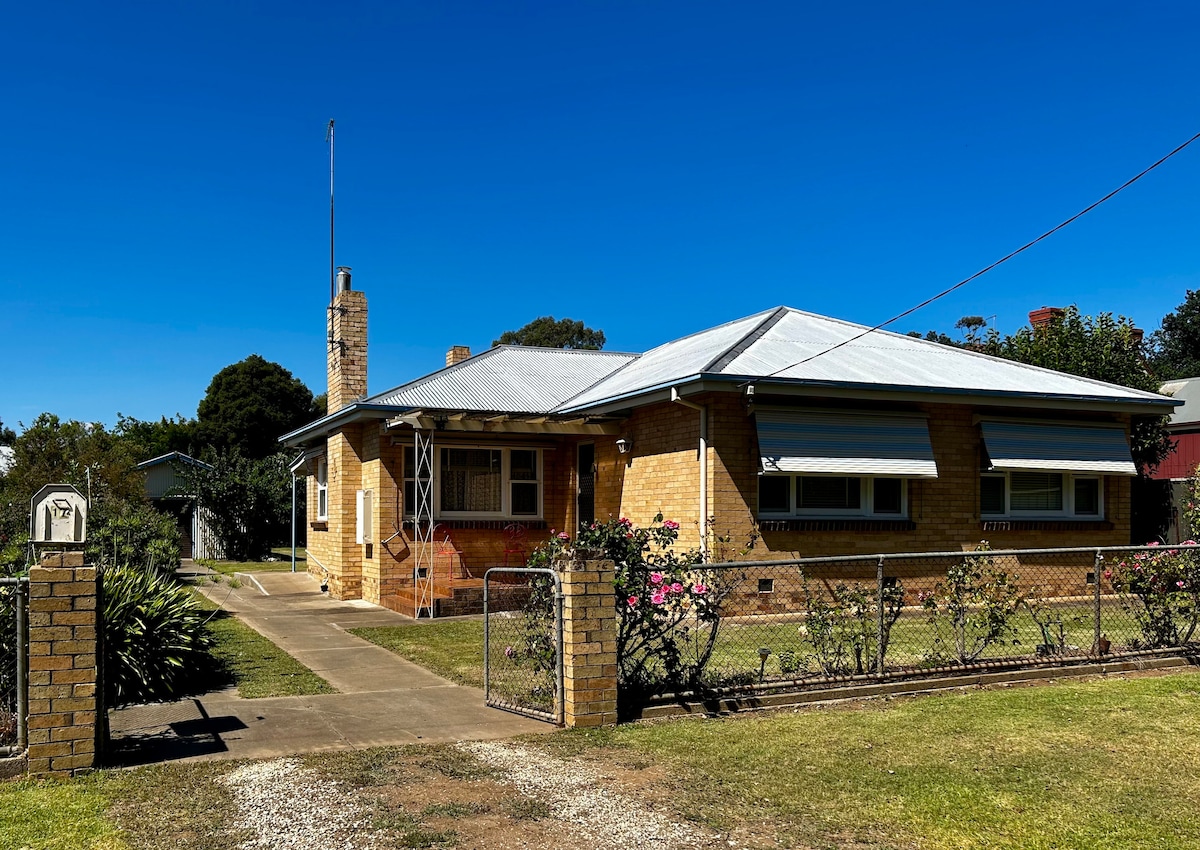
x,y
63,649
589,644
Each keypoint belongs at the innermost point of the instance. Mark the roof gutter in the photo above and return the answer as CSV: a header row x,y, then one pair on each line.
x,y
678,399
1149,406
351,413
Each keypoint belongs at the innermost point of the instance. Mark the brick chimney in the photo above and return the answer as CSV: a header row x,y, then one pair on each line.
x,y
347,345
457,354
1045,316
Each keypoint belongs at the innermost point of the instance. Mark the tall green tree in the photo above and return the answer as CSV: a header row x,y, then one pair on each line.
x,y
1175,346
249,405
548,332
149,439
1102,348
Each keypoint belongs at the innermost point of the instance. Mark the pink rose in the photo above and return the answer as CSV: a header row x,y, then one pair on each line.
x,y
633,601
1179,584
677,588
670,524
658,597
699,589
562,535
656,578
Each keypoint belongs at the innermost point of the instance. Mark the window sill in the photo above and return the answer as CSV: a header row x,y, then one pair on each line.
x,y
319,525
815,524
494,524
1058,524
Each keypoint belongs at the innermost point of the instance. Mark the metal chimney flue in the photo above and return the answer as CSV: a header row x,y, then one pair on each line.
x,y
343,279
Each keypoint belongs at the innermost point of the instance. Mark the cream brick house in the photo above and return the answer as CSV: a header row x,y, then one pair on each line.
x,y
885,443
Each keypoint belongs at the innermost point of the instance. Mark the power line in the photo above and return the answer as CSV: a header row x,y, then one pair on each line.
x,y
998,262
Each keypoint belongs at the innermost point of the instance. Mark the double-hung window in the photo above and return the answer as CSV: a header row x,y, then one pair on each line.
x,y
839,463
832,496
471,481
1050,469
1029,493
322,477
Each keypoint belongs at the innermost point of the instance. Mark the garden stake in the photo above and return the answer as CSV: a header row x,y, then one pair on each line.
x,y
1099,562
879,619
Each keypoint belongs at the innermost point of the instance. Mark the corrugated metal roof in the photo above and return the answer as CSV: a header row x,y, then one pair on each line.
x,y
774,344
1186,390
507,378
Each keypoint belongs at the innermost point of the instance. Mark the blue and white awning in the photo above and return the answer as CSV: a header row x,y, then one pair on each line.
x,y
843,443
1053,447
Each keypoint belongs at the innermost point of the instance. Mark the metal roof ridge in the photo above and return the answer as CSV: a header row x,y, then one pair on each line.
x,y
748,339
563,404
549,350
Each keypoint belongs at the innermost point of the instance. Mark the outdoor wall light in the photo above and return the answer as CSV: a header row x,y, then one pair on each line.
x,y
624,446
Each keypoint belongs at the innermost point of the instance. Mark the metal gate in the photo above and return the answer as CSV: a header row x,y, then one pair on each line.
x,y
523,641
14,665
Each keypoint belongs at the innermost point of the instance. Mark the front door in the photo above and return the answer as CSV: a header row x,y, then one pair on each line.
x,y
585,497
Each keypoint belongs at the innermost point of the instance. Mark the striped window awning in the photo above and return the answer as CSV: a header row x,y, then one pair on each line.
x,y
827,443
1058,448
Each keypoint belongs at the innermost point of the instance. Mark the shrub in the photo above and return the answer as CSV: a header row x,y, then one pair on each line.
x,y
132,533
667,603
973,608
1161,591
155,638
843,627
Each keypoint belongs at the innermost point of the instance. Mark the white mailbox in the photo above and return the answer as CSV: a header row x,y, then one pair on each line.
x,y
58,514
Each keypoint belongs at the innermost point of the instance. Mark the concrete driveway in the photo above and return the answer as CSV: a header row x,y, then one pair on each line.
x,y
382,699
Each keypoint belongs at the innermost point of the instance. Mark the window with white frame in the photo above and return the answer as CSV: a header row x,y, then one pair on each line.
x,y
322,477
474,481
832,496
1021,493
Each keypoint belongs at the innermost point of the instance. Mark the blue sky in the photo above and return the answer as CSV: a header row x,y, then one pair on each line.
x,y
652,168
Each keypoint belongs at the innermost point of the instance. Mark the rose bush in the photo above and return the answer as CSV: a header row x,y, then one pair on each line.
x,y
668,604
1161,591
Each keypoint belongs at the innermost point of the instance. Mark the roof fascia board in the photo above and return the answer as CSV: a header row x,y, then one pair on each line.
x,y
355,412
732,383
511,426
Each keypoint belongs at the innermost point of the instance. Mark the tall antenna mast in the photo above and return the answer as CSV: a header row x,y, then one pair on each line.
x,y
332,270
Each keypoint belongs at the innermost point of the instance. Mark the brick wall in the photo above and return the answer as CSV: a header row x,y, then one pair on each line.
x,y
943,511
660,474
63,651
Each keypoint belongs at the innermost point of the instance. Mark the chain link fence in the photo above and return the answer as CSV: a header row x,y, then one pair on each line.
x,y
14,661
818,621
523,638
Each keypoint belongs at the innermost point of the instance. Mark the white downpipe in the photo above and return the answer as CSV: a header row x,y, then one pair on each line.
x,y
678,399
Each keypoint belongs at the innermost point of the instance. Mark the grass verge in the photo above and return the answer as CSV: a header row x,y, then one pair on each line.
x,y
1106,763
257,666
451,648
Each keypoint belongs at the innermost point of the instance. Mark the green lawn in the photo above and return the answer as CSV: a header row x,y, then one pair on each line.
x,y
257,666
454,648
451,648
284,564
1108,763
